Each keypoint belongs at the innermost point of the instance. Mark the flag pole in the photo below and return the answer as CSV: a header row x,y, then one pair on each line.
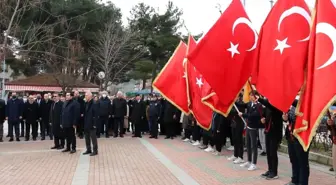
x,y
235,106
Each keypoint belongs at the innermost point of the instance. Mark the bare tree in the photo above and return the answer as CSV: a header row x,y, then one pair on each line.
x,y
114,50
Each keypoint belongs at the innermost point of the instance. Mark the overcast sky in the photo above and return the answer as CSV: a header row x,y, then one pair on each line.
x,y
200,15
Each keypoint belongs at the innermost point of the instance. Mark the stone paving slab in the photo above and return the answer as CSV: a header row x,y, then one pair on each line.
x,y
208,169
130,161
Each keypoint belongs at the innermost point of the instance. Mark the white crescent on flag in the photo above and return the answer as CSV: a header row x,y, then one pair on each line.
x,y
329,31
243,20
296,10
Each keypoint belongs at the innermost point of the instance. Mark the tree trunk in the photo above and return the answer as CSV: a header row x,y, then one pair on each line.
x,y
144,84
153,75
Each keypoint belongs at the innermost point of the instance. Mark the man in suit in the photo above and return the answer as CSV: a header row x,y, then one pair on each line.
x,y
55,122
30,116
90,125
39,122
45,113
104,109
119,111
2,117
80,122
138,115
69,121
170,116
14,111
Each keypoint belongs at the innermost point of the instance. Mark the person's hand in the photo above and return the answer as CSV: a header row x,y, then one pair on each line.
x,y
285,116
20,117
74,126
94,126
61,126
50,124
240,114
82,115
24,120
174,117
6,118
218,131
330,122
263,120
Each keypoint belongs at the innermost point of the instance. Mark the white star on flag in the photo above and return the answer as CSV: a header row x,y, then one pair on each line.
x,y
233,49
199,82
184,61
282,45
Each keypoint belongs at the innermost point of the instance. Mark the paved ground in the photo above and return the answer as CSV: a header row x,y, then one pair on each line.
x,y
130,161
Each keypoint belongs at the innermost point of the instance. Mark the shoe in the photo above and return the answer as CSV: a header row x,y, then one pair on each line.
x,y
94,153
238,161
167,137
202,147
209,149
87,152
290,183
42,139
263,153
265,175
196,143
107,136
72,151
121,136
151,137
231,148
272,177
26,139
252,167
232,158
246,165
1,140
186,140
11,140
34,139
66,150
171,137
17,139
54,147
60,147
51,138
331,169
216,153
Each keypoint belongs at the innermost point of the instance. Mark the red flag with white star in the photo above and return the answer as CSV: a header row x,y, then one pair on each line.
x,y
320,90
171,82
196,87
282,52
224,54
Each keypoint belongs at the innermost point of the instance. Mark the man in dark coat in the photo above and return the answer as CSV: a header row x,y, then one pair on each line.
x,y
170,117
30,116
39,122
119,111
154,111
90,126
45,112
69,121
14,111
138,115
104,110
2,117
55,122
80,122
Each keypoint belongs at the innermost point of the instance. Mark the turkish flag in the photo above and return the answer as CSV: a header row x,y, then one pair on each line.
x,y
320,90
278,71
171,82
196,89
224,54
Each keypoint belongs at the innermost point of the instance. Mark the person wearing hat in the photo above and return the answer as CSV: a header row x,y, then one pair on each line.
x,y
154,112
138,115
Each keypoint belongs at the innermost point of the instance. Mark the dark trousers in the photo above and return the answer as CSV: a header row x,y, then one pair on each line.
x,y
22,123
58,134
16,126
90,136
137,128
300,162
207,139
187,132
46,128
169,126
42,128
228,134
1,130
196,133
70,137
218,139
103,125
272,145
33,126
118,125
251,145
80,127
154,127
238,141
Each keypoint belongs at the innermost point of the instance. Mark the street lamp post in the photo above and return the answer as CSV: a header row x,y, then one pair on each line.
x,y
272,3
